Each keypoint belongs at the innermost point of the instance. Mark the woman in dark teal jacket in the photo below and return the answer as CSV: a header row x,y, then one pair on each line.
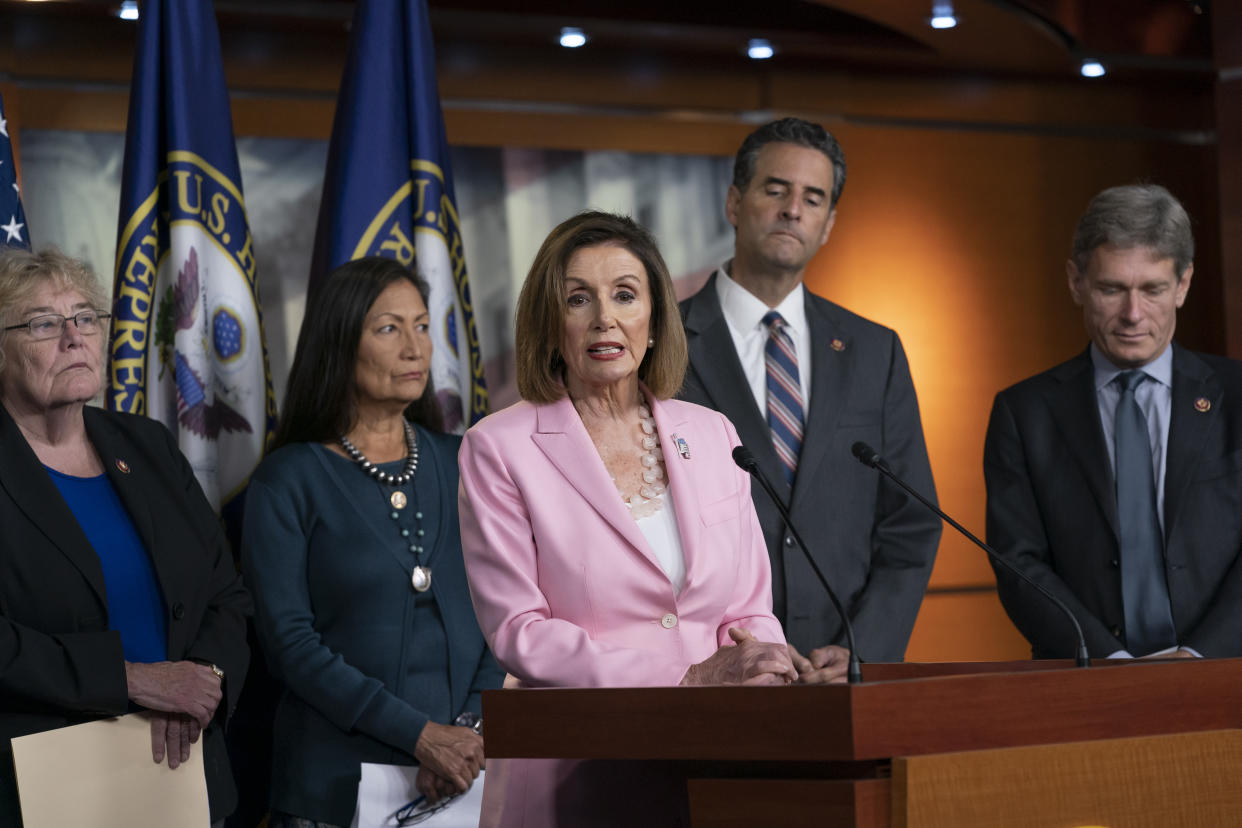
x,y
352,551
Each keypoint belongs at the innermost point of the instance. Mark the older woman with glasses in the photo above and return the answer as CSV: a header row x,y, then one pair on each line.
x,y
117,587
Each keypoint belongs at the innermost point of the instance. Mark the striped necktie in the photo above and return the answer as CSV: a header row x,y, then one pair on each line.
x,y
784,394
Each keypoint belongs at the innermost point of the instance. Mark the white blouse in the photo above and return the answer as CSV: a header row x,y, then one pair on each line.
x,y
660,530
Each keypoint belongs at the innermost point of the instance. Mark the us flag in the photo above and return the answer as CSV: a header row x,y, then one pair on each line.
x,y
13,230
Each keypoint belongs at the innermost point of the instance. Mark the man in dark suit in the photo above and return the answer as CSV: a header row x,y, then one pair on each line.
x,y
802,379
1115,479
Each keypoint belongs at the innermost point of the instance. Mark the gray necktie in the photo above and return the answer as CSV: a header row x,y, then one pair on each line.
x,y
1144,591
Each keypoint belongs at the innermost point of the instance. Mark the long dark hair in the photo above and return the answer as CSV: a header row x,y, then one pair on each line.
x,y
319,398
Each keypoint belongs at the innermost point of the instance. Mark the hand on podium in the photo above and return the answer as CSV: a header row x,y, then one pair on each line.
x,y
825,665
747,661
1180,652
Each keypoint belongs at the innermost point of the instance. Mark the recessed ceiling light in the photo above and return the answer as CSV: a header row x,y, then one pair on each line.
x,y
759,49
572,37
128,10
942,16
1092,69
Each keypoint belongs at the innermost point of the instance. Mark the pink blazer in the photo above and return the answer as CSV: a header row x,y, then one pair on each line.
x,y
566,589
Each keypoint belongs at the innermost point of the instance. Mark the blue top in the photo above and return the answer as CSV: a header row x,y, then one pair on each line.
x,y
366,661
135,601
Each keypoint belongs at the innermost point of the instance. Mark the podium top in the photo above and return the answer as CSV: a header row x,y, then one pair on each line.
x,y
899,710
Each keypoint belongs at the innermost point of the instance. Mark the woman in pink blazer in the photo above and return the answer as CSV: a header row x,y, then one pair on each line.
x,y
609,539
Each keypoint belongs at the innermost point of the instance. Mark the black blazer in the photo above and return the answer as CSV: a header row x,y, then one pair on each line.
x,y
875,544
59,662
1052,507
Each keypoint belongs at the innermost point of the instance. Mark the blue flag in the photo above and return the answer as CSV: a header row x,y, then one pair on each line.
x,y
388,190
187,334
13,231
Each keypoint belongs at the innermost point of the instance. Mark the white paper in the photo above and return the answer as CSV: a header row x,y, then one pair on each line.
x,y
101,774
384,789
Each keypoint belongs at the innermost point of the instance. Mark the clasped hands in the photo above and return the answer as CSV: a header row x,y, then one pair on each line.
x,y
449,760
182,697
749,661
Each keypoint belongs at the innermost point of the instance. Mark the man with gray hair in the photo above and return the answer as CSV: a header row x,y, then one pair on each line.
x,y
1115,479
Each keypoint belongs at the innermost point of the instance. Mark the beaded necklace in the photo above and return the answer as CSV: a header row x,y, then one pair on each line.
x,y
420,578
649,498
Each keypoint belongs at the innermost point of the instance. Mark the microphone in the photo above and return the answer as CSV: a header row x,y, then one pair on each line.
x,y
870,457
743,457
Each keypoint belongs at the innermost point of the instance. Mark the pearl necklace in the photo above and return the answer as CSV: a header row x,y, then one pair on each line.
x,y
411,459
649,498
420,577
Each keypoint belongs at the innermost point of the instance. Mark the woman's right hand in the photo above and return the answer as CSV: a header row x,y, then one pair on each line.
x,y
748,661
452,753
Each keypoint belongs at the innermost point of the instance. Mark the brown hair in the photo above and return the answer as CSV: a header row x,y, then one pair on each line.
x,y
541,308
1136,215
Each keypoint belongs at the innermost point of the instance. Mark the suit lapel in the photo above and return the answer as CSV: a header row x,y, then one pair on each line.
x,y
1076,412
832,372
724,382
34,493
1193,381
563,439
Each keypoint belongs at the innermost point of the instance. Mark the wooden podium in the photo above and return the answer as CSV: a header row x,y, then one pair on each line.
x,y
1036,743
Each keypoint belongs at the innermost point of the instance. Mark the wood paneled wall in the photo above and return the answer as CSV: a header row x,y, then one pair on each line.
x,y
953,229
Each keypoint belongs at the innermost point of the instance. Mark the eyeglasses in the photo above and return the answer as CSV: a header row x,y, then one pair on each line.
x,y
412,813
52,325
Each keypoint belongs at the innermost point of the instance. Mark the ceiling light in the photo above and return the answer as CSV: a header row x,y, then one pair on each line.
x,y
759,49
572,37
1092,69
128,10
942,16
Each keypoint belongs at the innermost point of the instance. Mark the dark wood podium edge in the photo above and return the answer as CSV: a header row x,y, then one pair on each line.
x,y
910,710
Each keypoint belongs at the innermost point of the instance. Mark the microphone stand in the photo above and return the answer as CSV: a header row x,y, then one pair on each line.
x,y
870,457
743,457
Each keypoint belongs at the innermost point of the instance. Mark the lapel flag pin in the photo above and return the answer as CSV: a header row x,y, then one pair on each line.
x,y
837,345
683,448
1203,405
122,465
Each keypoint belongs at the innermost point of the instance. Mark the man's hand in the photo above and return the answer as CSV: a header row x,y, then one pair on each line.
x,y
825,665
175,687
1180,652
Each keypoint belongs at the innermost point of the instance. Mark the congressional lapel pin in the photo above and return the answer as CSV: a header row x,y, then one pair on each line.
x,y
837,345
1203,405
683,448
122,465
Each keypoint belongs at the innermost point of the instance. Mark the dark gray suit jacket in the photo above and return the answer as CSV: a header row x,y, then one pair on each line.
x,y
59,662
1052,507
875,544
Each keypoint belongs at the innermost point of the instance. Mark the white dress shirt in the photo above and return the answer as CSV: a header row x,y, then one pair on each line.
x,y
744,313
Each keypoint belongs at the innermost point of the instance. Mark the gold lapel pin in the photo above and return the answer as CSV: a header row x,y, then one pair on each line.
x,y
837,345
122,465
1203,405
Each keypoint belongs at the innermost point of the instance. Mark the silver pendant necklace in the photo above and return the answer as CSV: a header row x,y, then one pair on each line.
x,y
420,578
